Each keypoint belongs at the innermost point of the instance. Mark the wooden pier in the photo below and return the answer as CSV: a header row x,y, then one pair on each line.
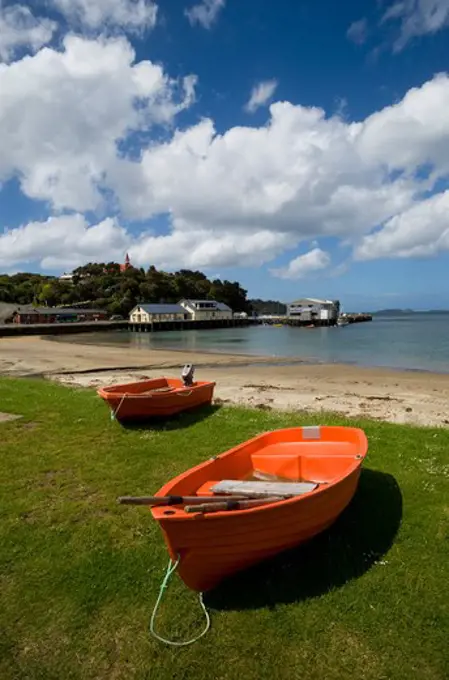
x,y
187,325
63,328
307,323
15,329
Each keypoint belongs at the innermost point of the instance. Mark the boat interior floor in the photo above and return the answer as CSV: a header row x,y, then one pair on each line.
x,y
281,463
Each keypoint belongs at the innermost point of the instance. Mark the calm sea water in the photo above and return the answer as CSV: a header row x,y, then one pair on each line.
x,y
419,342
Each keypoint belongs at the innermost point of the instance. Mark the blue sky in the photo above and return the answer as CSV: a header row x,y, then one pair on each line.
x,y
127,126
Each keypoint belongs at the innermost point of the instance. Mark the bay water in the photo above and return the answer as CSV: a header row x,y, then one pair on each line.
x,y
414,342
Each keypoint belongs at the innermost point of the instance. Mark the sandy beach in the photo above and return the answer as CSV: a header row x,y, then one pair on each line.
x,y
395,396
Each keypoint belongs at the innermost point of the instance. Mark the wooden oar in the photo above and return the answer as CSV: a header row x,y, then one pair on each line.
x,y
232,504
176,500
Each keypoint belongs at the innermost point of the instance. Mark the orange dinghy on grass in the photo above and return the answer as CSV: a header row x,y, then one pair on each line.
x,y
312,471
157,398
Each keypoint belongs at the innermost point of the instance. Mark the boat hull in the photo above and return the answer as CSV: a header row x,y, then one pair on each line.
x,y
142,400
212,547
214,551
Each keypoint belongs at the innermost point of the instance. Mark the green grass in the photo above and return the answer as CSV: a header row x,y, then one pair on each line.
x,y
79,574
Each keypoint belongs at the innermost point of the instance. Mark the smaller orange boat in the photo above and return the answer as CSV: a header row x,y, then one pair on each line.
x,y
157,398
314,472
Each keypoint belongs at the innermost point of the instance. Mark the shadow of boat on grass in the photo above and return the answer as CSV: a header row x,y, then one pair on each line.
x,y
361,536
177,421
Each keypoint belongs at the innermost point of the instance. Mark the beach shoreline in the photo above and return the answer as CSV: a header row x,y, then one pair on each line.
x,y
400,396
252,359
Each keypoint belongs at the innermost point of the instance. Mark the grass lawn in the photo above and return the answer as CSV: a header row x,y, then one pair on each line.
x,y
80,574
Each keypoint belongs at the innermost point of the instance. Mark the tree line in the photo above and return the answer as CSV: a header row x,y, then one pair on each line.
x,y
268,307
103,285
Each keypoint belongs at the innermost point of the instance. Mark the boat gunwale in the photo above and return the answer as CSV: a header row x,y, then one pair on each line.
x,y
179,515
118,391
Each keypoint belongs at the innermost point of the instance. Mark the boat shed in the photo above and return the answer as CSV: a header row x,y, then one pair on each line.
x,y
206,310
157,312
309,309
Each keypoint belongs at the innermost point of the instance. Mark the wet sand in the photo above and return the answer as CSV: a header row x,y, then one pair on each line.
x,y
416,398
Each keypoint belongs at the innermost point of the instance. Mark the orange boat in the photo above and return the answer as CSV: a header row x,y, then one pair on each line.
x,y
157,398
324,464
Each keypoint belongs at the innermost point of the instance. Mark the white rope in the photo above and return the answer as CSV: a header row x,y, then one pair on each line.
x,y
148,395
171,568
114,413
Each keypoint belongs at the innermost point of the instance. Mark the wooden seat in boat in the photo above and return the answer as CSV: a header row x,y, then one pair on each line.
x,y
159,390
255,488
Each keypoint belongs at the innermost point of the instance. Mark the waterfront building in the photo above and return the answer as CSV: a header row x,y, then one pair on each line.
x,y
57,315
206,310
150,313
314,309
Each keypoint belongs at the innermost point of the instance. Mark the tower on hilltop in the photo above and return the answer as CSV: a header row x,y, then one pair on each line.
x,y
127,265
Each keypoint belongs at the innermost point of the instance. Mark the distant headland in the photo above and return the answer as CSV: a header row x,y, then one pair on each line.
x,y
407,312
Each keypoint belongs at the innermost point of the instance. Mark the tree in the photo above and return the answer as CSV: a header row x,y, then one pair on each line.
x,y
268,307
105,286
231,294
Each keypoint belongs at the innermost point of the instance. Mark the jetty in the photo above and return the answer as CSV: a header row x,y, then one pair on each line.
x,y
187,324
307,323
16,329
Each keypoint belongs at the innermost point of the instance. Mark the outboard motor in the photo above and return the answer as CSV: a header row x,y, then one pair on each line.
x,y
187,374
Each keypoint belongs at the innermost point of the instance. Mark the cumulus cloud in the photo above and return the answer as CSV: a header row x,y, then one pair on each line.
x,y
358,31
204,13
261,94
196,248
63,114
304,265
69,240
69,120
411,133
301,174
19,29
420,231
63,242
417,18
134,16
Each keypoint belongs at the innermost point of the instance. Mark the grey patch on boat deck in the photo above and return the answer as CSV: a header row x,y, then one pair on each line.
x,y
256,488
311,432
6,417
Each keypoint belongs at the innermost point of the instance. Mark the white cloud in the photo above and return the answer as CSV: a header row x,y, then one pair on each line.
x,y
421,231
62,115
301,173
205,12
358,31
413,132
417,18
63,242
69,240
304,265
240,197
190,247
135,16
261,94
20,29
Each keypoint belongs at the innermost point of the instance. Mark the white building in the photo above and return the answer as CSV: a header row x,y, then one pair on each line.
x,y
313,308
66,277
157,312
206,310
